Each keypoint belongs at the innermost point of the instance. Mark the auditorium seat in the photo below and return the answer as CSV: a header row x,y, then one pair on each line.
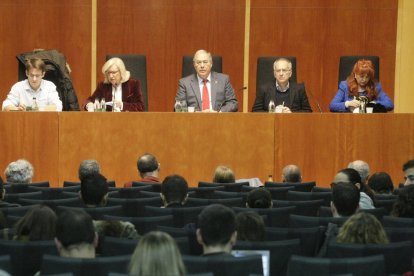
x,y
53,203
302,196
389,221
15,197
346,65
228,187
304,208
135,207
131,192
276,217
97,213
301,187
181,215
204,192
146,224
155,187
277,193
313,221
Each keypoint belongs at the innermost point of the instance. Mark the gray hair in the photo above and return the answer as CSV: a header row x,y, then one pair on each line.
x,y
210,58
121,67
88,167
291,173
19,172
282,59
361,167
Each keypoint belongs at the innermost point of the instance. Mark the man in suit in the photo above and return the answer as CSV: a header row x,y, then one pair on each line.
x,y
287,96
207,91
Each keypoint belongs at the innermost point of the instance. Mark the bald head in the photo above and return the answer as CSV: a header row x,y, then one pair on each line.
x,y
148,165
291,173
362,168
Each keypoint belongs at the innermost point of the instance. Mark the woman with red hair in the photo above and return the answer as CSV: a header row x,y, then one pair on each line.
x,y
360,83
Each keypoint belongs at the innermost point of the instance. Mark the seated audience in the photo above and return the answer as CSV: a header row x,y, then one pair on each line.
x,y
381,183
345,199
19,172
362,168
2,194
349,175
360,86
37,224
362,228
88,167
291,174
148,169
250,227
216,230
94,193
174,191
408,169
259,198
75,235
156,254
404,206
223,174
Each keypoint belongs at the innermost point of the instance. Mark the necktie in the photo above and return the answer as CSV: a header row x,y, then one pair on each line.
x,y
206,101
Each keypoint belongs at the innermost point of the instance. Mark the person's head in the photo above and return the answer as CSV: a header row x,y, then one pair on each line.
x,y
362,168
37,224
19,172
88,167
115,72
202,63
148,165
94,190
291,173
174,189
362,228
250,226
35,71
348,175
75,234
345,199
362,76
408,169
217,229
282,70
381,183
259,198
156,254
404,206
223,174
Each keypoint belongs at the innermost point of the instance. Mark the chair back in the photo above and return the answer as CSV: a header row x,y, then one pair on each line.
x,y
15,197
188,67
276,217
182,215
346,65
312,221
135,207
111,246
144,225
155,187
97,213
301,196
137,66
301,187
390,221
304,208
53,203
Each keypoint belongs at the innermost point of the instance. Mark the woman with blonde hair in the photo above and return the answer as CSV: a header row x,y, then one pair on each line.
x,y
156,254
223,174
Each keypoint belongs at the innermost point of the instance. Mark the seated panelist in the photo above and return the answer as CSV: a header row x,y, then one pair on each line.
x,y
207,91
361,84
117,89
282,95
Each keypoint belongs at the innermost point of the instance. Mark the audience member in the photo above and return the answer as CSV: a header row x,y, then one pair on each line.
x,y
362,168
259,198
404,206
118,90
207,91
156,254
362,228
37,224
250,227
360,83
75,234
345,199
2,195
349,175
19,172
291,174
283,94
148,169
94,193
88,167
223,174
34,93
381,183
217,230
174,191
408,169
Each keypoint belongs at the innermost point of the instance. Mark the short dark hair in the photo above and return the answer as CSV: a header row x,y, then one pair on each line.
x,y
74,227
250,226
381,182
217,223
174,188
408,165
352,174
88,167
345,197
259,198
147,163
404,206
93,189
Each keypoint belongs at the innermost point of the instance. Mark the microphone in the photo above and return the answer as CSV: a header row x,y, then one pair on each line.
x,y
315,100
225,101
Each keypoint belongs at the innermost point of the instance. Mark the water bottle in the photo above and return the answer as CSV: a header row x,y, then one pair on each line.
x,y
272,106
35,107
184,106
103,105
97,105
177,106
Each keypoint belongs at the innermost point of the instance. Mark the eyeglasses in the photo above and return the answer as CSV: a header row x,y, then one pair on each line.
x,y
112,72
284,70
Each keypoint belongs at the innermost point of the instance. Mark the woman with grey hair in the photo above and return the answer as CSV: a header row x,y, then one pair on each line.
x,y
117,89
19,172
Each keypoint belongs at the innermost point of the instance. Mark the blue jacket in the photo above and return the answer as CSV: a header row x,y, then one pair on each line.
x,y
338,102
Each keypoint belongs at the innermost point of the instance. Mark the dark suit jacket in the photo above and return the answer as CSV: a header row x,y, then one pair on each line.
x,y
222,93
131,95
298,101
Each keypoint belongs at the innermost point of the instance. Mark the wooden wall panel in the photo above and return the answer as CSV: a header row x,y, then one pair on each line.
x,y
48,24
164,31
318,32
